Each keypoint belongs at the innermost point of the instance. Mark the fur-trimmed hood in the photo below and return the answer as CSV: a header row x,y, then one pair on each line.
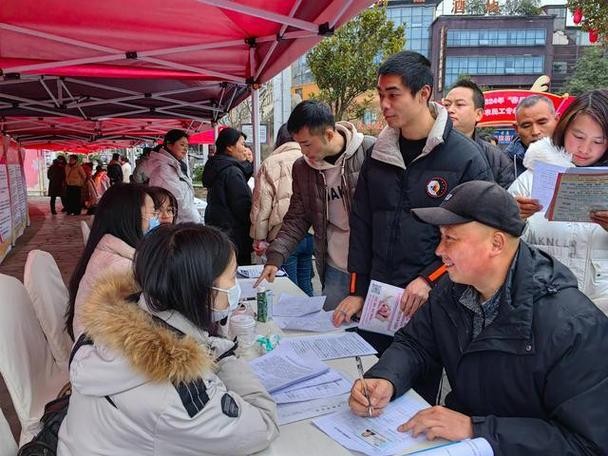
x,y
154,351
545,151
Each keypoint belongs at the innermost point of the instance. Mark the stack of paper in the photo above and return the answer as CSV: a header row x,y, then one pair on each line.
x,y
255,270
331,346
298,313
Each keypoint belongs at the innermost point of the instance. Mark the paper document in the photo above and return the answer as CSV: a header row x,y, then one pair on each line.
x,y
331,346
297,306
298,411
379,435
330,376
336,388
315,322
255,271
577,192
381,311
474,447
283,367
247,290
543,182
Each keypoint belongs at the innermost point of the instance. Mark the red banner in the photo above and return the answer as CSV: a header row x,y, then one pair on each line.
x,y
501,104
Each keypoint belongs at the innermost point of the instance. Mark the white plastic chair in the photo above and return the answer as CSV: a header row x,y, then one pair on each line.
x,y
8,446
84,227
32,376
49,296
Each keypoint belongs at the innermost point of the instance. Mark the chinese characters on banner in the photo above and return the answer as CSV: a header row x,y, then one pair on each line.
x,y
501,104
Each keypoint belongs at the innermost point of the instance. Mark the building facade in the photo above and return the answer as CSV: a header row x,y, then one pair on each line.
x,y
495,51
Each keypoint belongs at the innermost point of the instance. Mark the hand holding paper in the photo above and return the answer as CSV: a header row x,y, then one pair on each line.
x,y
439,422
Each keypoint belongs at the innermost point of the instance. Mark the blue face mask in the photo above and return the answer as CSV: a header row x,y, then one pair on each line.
x,y
234,295
154,222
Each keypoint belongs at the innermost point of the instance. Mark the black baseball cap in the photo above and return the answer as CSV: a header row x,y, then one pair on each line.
x,y
484,202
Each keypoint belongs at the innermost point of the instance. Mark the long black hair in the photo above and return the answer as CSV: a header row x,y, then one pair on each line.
x,y
119,214
176,266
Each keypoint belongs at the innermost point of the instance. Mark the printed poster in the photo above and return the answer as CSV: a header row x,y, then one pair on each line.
x,y
381,312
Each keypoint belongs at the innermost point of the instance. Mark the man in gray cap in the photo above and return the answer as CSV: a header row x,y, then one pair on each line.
x,y
524,350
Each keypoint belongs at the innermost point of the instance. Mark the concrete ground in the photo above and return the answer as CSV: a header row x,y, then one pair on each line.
x,y
59,235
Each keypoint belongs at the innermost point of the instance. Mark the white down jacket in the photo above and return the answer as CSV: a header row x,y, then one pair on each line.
x,y
583,247
143,388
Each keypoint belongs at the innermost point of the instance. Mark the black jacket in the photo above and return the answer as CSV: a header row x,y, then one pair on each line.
x,y
535,381
499,162
229,199
386,242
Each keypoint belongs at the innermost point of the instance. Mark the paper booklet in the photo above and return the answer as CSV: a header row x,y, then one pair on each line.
x,y
381,312
569,194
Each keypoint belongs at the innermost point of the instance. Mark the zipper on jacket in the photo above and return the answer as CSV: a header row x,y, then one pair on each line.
x,y
395,225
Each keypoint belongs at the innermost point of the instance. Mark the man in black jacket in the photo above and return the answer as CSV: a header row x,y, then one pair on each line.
x,y
417,159
524,350
465,104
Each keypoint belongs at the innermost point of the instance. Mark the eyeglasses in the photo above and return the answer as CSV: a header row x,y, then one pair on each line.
x,y
168,211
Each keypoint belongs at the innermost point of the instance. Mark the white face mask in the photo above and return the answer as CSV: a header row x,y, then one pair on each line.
x,y
234,294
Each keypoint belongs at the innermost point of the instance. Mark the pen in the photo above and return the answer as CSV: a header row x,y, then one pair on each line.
x,y
360,369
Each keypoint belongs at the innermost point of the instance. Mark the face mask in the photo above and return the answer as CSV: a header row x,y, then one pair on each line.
x,y
153,223
234,294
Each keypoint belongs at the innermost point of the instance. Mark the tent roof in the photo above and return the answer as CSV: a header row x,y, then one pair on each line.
x,y
147,59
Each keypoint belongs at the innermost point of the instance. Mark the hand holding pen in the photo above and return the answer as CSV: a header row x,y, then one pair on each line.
x,y
370,395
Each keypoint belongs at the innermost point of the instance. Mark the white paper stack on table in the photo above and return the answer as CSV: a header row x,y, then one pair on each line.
x,y
301,384
303,313
379,435
255,270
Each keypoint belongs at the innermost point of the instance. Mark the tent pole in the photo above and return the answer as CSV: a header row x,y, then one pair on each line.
x,y
255,117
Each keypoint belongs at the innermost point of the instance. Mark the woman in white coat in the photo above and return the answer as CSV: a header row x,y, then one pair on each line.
x,y
167,169
149,376
580,139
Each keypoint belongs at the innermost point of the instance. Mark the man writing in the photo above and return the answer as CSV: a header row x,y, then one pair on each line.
x,y
465,104
535,118
522,347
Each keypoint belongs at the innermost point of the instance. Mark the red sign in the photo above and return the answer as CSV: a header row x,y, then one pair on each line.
x,y
501,104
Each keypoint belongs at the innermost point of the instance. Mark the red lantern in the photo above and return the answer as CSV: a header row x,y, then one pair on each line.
x,y
593,36
577,17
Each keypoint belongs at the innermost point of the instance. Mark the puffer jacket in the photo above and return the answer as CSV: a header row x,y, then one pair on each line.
x,y
75,176
112,255
229,200
308,205
164,170
583,247
501,166
152,384
387,243
272,192
516,152
535,381
56,176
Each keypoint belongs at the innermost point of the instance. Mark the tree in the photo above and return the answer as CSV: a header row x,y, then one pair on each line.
x,y
591,72
345,65
594,16
521,8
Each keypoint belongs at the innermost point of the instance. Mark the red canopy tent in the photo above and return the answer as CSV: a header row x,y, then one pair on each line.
x,y
84,73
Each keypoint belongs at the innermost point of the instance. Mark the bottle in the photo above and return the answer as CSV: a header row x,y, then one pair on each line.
x,y
262,301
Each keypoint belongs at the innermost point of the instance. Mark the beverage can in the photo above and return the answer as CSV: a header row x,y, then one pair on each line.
x,y
262,301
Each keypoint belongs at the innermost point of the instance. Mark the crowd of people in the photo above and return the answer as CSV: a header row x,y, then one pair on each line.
x,y
511,306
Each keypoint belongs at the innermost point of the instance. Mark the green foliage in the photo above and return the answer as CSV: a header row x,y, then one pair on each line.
x,y
197,174
521,8
475,7
345,65
595,16
591,72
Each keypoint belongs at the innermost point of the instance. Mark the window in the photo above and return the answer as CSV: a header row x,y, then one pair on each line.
x,y
369,117
417,20
489,65
496,37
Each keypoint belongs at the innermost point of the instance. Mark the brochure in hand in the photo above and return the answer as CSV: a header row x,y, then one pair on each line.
x,y
381,312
